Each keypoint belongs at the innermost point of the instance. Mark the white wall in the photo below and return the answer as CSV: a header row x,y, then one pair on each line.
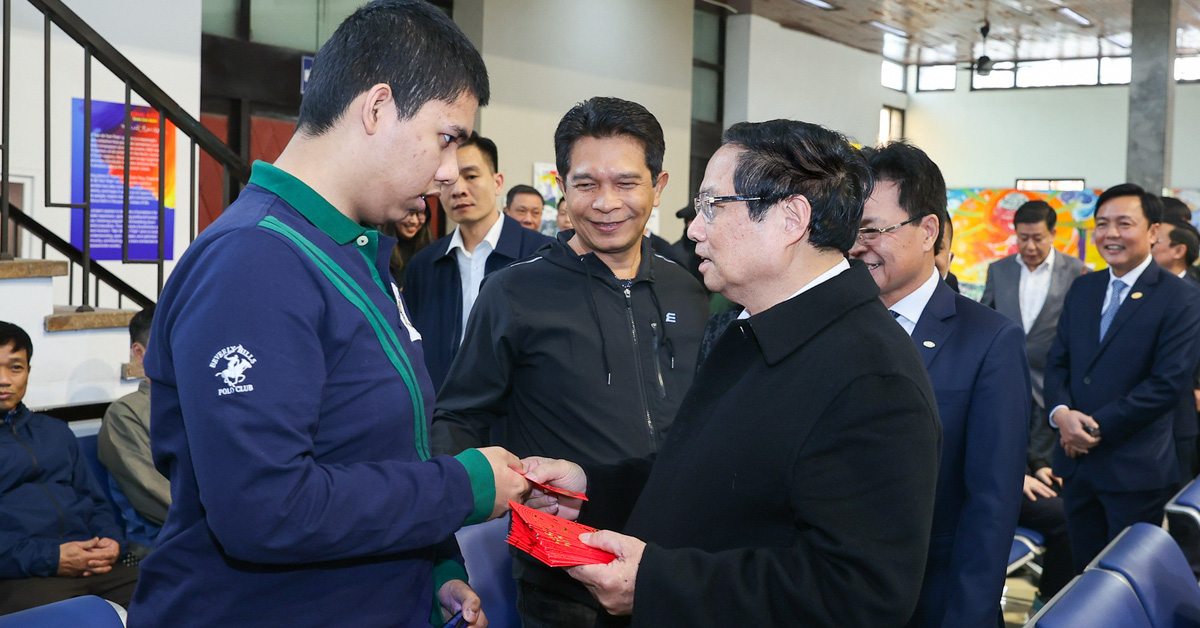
x,y
989,138
163,42
544,56
775,72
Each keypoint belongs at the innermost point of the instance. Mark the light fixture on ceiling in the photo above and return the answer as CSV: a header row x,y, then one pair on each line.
x,y
820,4
888,29
1073,16
1120,40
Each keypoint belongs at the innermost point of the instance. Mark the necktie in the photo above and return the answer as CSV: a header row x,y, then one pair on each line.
x,y
1110,312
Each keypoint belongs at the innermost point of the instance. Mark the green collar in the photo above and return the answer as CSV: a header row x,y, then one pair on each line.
x,y
305,200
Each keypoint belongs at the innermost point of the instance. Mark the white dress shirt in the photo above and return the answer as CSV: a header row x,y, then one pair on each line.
x,y
1034,287
1128,279
837,269
471,265
910,307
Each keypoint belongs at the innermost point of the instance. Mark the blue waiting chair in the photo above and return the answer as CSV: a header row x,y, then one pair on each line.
x,y
1183,520
1027,545
489,567
1149,559
88,611
1096,599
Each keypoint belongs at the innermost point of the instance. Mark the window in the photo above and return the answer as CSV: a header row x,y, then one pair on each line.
x,y
932,78
1002,76
708,85
891,75
1187,69
1061,185
891,125
1057,72
1116,70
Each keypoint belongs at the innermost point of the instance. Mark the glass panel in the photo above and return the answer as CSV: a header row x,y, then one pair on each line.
x,y
332,12
1115,70
891,74
706,37
287,23
704,95
1187,69
219,17
936,77
998,79
1054,72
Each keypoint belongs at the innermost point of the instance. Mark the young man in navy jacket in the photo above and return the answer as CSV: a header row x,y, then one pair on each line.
x,y
291,403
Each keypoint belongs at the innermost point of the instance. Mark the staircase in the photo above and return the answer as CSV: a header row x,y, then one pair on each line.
x,y
75,309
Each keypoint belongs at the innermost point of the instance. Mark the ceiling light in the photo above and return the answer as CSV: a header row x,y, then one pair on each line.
x,y
1120,40
820,4
1073,16
888,29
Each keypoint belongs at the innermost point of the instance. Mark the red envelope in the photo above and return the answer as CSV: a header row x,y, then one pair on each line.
x,y
558,491
552,540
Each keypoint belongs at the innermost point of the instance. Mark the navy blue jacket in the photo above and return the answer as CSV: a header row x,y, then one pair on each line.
x,y
47,495
302,488
433,291
976,361
1131,383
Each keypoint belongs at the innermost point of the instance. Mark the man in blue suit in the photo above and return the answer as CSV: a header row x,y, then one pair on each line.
x,y
976,361
1123,358
443,279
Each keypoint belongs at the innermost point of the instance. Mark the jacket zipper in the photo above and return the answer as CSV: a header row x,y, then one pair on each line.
x,y
62,516
662,388
637,364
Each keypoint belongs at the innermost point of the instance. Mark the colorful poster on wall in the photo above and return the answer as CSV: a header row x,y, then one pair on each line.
x,y
983,230
107,181
545,180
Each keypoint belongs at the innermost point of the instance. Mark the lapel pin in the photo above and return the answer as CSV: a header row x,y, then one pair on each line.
x,y
929,343
1136,295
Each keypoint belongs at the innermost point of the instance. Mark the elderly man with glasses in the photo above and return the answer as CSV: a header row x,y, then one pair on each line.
x,y
796,486
976,361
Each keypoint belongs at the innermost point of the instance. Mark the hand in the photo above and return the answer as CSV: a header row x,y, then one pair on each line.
x,y
79,559
1074,439
507,470
1034,487
560,473
1197,394
612,585
1046,475
457,595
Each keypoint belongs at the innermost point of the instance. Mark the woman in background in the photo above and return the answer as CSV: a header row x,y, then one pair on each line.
x,y
412,235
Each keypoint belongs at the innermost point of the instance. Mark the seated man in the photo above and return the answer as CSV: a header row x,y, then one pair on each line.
x,y
140,491
58,538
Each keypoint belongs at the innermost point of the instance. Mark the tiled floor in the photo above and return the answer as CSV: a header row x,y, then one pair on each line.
x,y
1019,599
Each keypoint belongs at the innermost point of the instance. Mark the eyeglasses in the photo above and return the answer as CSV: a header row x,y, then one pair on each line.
x,y
867,235
704,203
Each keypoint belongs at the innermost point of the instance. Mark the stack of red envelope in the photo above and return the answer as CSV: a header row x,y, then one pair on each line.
x,y
552,540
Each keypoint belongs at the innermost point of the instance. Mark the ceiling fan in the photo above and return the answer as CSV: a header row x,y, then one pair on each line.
x,y
984,64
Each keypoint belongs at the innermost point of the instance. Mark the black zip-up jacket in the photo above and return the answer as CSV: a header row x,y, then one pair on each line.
x,y
47,495
560,360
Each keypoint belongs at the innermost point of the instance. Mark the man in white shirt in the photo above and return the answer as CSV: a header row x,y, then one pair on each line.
x,y
442,280
977,364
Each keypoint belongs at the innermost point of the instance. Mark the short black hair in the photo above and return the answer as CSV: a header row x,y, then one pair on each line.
x,y
1152,207
1035,211
11,334
1175,208
1184,233
522,189
139,326
490,153
922,188
408,44
784,158
604,117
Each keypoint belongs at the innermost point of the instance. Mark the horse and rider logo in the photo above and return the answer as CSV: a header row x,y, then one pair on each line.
x,y
237,361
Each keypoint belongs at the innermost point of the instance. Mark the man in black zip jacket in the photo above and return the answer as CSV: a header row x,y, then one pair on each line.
x,y
585,350
58,536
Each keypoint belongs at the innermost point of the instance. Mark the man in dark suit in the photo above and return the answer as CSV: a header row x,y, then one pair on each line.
x,y
442,280
1029,287
1123,357
1175,250
976,361
767,505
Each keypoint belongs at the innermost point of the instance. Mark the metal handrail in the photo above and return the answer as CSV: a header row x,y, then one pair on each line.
x,y
96,47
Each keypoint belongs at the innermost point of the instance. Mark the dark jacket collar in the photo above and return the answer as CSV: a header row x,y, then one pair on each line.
x,y
19,415
783,329
509,244
561,254
933,327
